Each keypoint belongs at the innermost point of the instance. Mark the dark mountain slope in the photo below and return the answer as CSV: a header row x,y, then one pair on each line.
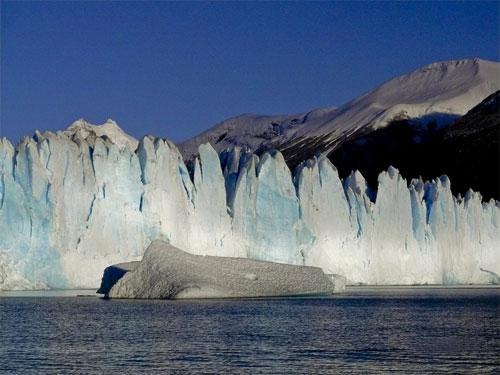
x,y
467,150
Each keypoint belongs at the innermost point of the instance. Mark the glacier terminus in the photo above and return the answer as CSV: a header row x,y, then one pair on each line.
x,y
73,202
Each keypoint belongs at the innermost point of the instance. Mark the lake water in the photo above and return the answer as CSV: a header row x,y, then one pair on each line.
x,y
366,330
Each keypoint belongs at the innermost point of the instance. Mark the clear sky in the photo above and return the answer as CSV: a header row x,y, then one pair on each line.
x,y
175,69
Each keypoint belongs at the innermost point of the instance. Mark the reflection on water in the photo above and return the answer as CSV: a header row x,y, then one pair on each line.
x,y
365,330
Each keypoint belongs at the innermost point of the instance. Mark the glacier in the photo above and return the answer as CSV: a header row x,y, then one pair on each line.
x,y
73,202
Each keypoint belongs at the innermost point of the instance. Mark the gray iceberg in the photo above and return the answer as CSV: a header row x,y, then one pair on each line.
x,y
166,272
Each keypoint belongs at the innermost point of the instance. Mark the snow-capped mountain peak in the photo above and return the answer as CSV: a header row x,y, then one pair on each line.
x,y
439,92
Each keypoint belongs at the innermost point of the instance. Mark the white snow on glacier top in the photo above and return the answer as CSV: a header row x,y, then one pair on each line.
x,y
441,91
83,130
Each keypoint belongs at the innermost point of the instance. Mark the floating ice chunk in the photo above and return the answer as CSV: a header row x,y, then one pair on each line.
x,y
167,272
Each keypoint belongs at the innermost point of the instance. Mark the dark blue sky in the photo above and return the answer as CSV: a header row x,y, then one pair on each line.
x,y
174,69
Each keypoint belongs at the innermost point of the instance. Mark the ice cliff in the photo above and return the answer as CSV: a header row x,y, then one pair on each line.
x,y
74,202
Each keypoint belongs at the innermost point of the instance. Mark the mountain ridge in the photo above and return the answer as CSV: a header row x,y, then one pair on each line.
x,y
446,89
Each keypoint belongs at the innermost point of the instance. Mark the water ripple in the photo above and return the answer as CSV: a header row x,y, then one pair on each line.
x,y
377,331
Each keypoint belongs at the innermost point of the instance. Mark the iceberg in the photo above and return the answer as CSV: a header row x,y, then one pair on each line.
x,y
166,272
75,201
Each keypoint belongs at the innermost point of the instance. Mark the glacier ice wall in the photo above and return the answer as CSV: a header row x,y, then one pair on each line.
x,y
71,205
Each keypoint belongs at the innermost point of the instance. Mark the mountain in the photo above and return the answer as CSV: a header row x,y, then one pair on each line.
x,y
467,150
419,103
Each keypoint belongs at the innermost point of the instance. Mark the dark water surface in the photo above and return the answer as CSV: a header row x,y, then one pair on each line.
x,y
419,330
